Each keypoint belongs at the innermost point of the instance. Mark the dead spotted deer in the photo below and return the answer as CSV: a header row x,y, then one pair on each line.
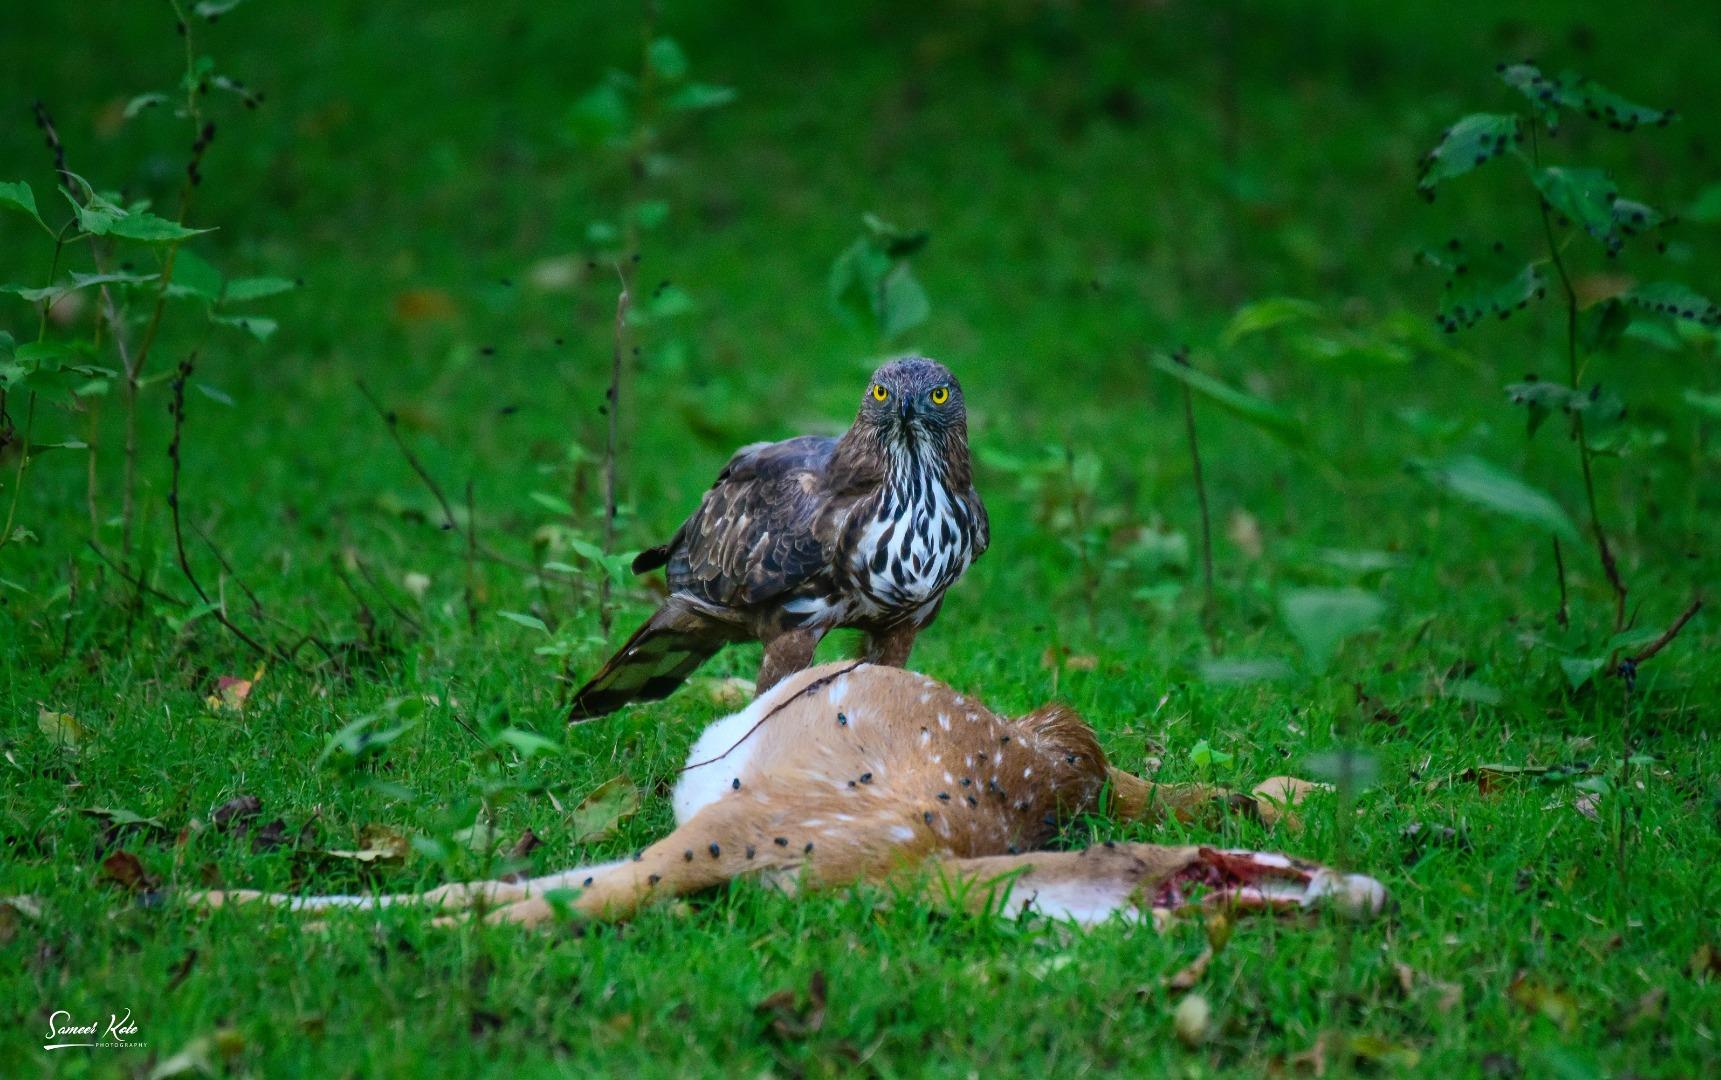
x,y
863,773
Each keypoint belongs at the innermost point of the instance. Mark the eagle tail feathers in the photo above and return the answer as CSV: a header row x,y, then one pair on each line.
x,y
656,660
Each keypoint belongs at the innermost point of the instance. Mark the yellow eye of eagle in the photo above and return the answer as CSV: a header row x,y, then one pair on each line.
x,y
940,395
879,393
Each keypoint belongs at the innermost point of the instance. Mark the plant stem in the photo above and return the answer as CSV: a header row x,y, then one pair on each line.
x,y
1609,566
624,299
23,466
1208,606
1563,615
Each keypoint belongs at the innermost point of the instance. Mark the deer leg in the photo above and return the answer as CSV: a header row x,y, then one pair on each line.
x,y
1149,880
785,654
769,830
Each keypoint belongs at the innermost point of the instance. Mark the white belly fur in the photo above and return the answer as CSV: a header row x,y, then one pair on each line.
x,y
726,751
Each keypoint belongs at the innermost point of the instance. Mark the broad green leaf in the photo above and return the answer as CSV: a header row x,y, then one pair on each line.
x,y
528,744
194,277
240,290
1586,197
531,622
17,194
1472,141
1469,298
1476,481
1263,414
1542,399
604,114
149,228
553,503
697,96
598,814
1676,301
361,739
255,325
903,303
1204,757
1581,94
855,278
1321,619
1263,315
667,59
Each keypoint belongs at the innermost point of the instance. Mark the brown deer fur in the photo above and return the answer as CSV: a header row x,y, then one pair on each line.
x,y
859,772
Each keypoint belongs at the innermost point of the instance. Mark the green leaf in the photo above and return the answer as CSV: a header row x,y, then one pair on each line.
x,y
255,325
1476,481
667,59
903,303
528,744
531,622
1266,314
1675,301
194,277
18,196
143,101
1471,297
240,290
553,503
148,228
1261,413
1580,94
1472,141
1586,197
358,740
1543,399
1204,757
215,394
1321,619
698,96
602,115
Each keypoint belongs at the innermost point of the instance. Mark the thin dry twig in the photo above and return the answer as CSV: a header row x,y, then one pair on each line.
x,y
1667,635
219,610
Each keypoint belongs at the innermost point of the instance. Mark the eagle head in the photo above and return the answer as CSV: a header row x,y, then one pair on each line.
x,y
913,402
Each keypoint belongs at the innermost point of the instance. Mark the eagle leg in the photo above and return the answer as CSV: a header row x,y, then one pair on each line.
x,y
891,647
785,654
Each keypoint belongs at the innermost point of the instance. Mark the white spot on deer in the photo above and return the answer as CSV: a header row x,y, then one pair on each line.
x,y
838,691
901,833
944,721
925,737
948,779
1029,771
924,698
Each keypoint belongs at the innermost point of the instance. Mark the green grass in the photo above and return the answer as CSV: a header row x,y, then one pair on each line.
x,y
1072,168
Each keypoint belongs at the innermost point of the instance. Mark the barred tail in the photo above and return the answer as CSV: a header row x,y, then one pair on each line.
x,y
657,659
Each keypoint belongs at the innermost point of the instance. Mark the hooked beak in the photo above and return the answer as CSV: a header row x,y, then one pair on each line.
x,y
905,408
